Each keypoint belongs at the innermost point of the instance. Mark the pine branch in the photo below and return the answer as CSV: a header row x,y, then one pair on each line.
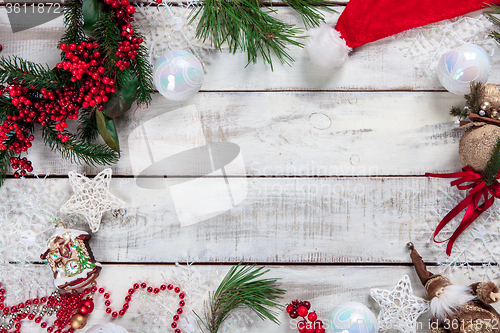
x,y
28,73
472,99
245,25
6,107
309,10
109,37
142,69
241,288
495,20
5,165
78,151
73,21
87,129
493,166
461,113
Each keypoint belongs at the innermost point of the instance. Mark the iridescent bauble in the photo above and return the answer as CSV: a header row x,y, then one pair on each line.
x,y
351,317
178,75
459,67
107,328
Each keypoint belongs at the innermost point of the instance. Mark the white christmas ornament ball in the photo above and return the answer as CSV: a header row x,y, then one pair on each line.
x,y
178,75
352,317
459,67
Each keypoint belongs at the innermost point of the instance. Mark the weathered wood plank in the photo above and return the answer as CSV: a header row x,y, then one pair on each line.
x,y
304,134
293,220
325,287
380,65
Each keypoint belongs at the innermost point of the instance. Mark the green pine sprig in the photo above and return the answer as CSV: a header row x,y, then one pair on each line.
x,y
16,69
144,74
77,151
242,288
248,26
309,10
5,165
490,172
73,21
6,107
109,37
471,102
87,129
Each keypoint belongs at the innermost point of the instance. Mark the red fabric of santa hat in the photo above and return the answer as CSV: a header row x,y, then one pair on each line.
x,y
365,21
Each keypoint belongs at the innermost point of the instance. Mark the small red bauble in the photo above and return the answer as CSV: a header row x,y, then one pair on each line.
x,y
86,307
130,9
289,308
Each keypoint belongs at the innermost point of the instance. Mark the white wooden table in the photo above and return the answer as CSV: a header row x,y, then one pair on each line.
x,y
329,207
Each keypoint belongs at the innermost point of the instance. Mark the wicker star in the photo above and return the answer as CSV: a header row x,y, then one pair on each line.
x,y
399,308
92,197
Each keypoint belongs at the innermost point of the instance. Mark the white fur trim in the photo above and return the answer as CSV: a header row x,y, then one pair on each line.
x,y
325,47
453,297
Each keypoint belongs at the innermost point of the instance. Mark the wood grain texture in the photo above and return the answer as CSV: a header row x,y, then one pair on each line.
x,y
281,220
292,134
380,65
324,287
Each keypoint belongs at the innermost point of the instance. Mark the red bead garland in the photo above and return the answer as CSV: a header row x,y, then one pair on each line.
x,y
149,289
70,308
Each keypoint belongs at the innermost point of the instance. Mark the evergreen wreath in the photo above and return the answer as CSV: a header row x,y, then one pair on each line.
x,y
103,70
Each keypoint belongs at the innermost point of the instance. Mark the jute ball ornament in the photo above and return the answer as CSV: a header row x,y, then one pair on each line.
x,y
477,145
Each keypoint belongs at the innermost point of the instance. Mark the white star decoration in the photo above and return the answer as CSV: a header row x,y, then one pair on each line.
x,y
399,308
92,197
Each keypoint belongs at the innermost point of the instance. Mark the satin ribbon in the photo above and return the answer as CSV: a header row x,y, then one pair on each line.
x,y
473,181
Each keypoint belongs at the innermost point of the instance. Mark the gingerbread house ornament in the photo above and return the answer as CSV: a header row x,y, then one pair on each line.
x,y
71,259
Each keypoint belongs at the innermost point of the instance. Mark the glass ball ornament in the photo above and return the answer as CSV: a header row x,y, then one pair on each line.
x,y
178,75
352,317
459,67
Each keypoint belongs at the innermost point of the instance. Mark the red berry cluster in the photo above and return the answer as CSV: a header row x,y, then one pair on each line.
x,y
128,46
301,309
149,289
85,59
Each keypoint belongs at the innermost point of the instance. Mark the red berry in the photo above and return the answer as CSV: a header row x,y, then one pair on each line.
x,y
319,330
130,9
301,326
293,314
312,316
302,311
288,308
310,328
306,304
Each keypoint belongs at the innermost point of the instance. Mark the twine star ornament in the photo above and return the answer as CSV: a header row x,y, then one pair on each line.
x,y
399,309
92,197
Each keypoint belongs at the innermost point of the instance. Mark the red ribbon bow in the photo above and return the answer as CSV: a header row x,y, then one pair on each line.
x,y
468,179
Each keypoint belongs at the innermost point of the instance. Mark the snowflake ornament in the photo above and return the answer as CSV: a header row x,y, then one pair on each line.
x,y
399,308
430,42
28,208
479,243
92,197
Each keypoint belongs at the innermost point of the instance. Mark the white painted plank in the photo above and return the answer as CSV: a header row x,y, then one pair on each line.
x,y
288,134
324,286
293,220
381,65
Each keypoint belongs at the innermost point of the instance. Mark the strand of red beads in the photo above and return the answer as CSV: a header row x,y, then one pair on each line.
x,y
149,289
70,309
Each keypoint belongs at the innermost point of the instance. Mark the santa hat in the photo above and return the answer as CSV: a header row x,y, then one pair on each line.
x,y
431,282
364,21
